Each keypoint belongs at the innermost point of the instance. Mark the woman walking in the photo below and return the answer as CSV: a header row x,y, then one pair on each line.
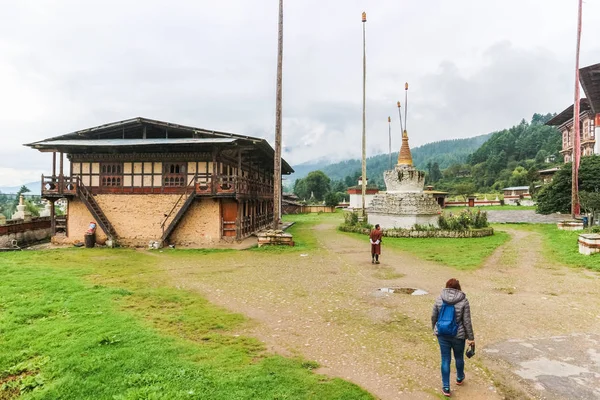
x,y
375,238
451,322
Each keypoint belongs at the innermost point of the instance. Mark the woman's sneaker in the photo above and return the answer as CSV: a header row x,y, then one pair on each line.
x,y
446,392
460,381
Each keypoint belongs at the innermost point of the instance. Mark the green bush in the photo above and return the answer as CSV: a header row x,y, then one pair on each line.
x,y
350,218
462,221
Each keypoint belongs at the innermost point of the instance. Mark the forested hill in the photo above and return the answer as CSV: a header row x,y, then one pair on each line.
x,y
445,153
514,151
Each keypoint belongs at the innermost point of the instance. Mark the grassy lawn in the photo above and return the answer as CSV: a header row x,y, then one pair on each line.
x,y
562,246
462,254
490,208
302,231
103,324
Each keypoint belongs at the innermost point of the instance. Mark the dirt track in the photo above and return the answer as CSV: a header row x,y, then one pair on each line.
x,y
324,306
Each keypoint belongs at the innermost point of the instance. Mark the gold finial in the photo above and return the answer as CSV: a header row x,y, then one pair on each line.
x,y
364,17
406,86
404,156
389,119
398,104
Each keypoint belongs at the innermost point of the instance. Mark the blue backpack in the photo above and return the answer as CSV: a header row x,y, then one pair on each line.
x,y
446,323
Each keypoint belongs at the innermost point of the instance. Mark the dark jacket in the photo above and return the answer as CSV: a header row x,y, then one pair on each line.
x,y
462,312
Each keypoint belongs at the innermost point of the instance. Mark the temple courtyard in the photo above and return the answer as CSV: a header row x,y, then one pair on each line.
x,y
281,322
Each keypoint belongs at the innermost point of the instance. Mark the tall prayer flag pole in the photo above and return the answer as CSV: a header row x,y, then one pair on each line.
x,y
575,208
277,162
364,120
390,139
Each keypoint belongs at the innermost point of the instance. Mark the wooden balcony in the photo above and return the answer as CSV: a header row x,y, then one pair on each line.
x,y
206,185
59,186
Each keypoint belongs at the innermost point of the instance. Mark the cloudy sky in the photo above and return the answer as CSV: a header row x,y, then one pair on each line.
x,y
473,67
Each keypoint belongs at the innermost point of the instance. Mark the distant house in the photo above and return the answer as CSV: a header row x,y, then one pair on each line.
x,y
547,175
439,196
589,117
290,204
143,180
355,193
517,195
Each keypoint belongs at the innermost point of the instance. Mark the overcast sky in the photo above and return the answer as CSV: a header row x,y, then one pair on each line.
x,y
473,66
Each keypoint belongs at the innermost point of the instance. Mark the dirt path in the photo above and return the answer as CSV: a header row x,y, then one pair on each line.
x,y
324,306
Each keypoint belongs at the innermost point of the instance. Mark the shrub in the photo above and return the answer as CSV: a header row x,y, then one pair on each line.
x,y
350,218
466,219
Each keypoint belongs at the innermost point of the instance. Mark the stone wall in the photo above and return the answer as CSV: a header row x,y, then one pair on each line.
x,y
407,221
78,221
201,225
406,233
404,178
137,220
25,233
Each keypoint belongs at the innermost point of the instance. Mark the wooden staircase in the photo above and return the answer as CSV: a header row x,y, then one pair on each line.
x,y
190,192
88,199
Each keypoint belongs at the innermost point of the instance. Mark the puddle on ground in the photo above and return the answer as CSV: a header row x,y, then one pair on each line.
x,y
403,290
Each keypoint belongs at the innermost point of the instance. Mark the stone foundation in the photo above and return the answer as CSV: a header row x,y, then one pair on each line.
x,y
25,233
589,244
278,238
390,221
137,219
570,225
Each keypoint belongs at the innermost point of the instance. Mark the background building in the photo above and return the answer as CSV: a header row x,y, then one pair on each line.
x,y
143,180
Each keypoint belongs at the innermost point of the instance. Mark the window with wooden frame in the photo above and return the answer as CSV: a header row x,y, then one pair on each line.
x,y
174,174
111,174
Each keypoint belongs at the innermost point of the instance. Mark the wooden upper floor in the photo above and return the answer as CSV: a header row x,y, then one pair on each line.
x,y
146,156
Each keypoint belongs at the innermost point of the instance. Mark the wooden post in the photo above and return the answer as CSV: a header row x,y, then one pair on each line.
x,y
52,218
214,172
575,209
53,164
364,118
277,161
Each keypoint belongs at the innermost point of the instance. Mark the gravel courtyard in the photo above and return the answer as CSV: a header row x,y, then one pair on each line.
x,y
324,304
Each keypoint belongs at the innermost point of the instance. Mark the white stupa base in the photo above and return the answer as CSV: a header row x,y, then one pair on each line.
x,y
402,221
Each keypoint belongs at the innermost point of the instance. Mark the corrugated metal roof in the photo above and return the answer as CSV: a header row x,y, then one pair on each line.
x,y
80,139
517,188
131,142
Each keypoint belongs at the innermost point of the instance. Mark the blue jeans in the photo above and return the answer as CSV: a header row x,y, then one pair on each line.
x,y
447,345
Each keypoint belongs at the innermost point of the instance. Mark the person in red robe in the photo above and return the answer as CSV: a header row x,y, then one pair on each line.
x,y
375,238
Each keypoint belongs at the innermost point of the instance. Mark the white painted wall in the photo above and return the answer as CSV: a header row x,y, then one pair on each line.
x,y
356,200
388,221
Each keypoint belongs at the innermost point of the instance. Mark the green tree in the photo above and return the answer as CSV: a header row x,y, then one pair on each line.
x,y
519,177
556,197
464,190
318,183
331,199
540,157
315,184
590,202
435,173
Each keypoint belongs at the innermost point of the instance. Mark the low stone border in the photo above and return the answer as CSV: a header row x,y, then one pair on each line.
x,y
570,225
405,233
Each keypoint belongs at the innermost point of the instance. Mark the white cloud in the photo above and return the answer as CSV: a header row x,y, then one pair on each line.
x,y
474,66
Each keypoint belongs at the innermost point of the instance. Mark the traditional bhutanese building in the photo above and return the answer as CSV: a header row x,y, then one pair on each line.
x,y
589,117
143,180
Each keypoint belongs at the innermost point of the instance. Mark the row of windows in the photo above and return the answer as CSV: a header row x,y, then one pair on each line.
x,y
173,174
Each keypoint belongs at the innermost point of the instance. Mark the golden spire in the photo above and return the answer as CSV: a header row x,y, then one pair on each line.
x,y
404,157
